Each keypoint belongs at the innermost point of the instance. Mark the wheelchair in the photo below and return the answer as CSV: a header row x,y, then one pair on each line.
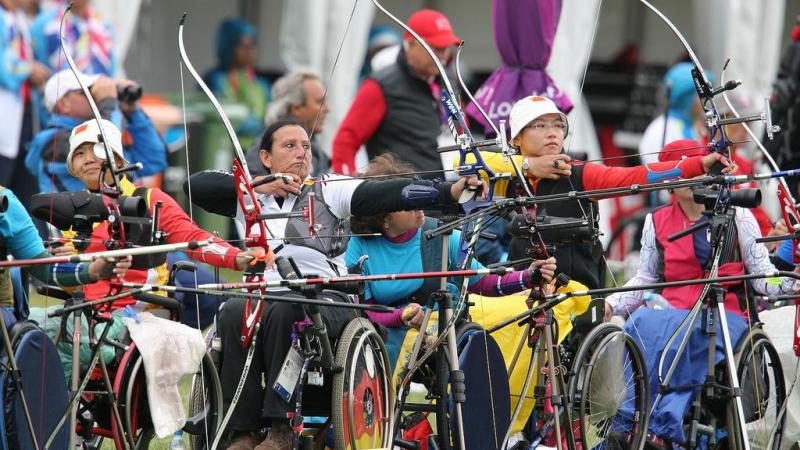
x,y
763,391
708,418
356,379
608,371
125,375
130,390
485,384
600,383
45,391
597,411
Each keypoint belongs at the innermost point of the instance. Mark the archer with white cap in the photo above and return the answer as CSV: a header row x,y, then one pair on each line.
x,y
538,130
85,161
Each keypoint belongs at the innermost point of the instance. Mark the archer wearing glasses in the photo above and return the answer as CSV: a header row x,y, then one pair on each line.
x,y
538,130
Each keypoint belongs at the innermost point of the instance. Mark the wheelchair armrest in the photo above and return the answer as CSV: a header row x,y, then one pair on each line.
x,y
52,291
164,302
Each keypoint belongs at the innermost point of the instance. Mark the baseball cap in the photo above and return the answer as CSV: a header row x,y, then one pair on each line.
x,y
680,149
62,83
434,27
529,109
89,131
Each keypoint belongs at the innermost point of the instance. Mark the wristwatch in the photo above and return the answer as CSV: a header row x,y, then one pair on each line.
x,y
525,164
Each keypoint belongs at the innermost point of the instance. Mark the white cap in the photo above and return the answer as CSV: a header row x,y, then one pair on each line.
x,y
89,132
62,83
529,109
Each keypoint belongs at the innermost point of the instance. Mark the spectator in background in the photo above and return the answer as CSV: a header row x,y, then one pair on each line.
x,y
682,120
397,108
299,96
382,40
19,75
235,78
64,99
89,38
785,104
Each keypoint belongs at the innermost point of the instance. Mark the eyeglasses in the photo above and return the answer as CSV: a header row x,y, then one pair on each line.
x,y
543,126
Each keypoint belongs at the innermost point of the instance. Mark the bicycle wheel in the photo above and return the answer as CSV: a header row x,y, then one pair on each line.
x,y
609,392
362,404
763,394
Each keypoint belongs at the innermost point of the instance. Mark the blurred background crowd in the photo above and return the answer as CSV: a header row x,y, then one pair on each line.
x,y
606,63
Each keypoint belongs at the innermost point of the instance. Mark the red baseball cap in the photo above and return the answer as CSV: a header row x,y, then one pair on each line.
x,y
434,27
682,148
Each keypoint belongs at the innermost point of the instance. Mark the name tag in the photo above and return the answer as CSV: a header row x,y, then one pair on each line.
x,y
289,375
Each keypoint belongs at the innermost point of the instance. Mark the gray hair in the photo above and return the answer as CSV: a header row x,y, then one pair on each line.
x,y
287,92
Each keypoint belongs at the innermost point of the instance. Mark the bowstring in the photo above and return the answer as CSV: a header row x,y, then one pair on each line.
x,y
773,166
607,271
482,223
191,217
333,69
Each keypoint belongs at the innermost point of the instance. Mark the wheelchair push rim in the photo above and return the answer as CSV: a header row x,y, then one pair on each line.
x,y
763,401
598,399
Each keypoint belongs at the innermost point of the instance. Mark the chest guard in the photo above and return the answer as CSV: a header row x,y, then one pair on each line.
x,y
330,233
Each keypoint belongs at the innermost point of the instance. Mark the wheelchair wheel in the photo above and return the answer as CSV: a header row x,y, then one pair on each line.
x,y
205,411
763,394
202,422
608,390
362,403
131,388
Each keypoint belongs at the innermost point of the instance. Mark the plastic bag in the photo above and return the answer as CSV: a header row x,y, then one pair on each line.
x,y
170,350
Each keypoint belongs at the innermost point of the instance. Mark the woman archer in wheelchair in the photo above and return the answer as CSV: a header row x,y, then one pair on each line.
x,y
150,217
401,248
691,410
285,149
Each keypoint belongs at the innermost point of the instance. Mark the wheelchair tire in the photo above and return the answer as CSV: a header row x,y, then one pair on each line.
x,y
762,399
206,409
136,414
362,395
130,386
596,395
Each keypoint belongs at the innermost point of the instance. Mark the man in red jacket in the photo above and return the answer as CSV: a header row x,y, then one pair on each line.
x,y
397,108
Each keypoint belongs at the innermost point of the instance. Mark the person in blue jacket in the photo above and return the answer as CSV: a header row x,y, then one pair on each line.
x,y
63,97
235,77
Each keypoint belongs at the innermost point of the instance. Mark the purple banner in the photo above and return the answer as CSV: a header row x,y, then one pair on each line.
x,y
523,33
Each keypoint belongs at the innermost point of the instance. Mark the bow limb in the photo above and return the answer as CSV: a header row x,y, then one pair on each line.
x,y
117,230
110,195
787,204
95,111
255,233
679,35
